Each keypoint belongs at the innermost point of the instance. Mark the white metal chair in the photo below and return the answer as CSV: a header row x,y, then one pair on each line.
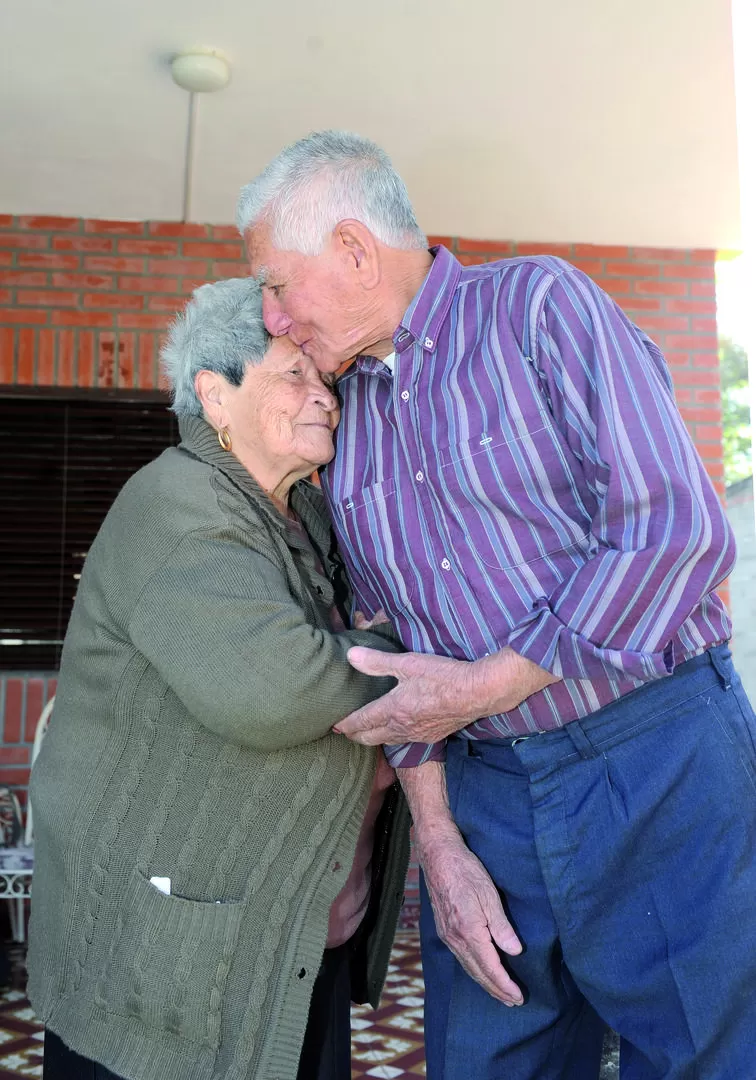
x,y
42,725
17,863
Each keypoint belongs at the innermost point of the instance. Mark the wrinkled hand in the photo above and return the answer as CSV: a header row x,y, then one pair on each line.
x,y
436,695
361,622
469,915
432,698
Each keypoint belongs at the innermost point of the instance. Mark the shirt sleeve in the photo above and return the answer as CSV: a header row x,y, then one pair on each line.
x,y
410,755
661,540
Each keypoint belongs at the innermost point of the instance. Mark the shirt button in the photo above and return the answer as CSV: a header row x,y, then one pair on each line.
x,y
445,564
405,395
419,476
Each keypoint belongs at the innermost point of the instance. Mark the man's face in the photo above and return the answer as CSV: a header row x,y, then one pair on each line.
x,y
315,299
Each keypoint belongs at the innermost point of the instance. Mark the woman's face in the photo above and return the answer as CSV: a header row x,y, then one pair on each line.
x,y
282,418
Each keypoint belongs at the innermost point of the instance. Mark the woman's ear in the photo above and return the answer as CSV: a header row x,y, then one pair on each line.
x,y
210,390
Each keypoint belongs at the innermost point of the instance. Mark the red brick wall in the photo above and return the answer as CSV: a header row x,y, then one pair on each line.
x,y
22,699
83,303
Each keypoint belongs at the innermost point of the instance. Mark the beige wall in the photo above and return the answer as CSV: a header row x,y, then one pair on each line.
x,y
599,121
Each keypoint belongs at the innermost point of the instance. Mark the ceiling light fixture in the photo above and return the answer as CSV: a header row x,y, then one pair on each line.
x,y
201,70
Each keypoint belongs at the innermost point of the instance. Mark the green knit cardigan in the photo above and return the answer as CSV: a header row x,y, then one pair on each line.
x,y
191,739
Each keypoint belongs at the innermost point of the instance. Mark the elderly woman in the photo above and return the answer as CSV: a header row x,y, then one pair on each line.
x,y
216,869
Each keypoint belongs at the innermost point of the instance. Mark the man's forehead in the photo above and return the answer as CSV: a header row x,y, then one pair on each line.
x,y
266,264
259,250
272,272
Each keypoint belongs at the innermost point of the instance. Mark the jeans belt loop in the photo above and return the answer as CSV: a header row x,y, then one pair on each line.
x,y
580,740
720,665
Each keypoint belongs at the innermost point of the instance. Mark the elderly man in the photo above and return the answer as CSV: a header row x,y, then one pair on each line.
x,y
515,488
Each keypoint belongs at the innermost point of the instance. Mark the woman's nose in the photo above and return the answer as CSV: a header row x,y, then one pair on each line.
x,y
325,397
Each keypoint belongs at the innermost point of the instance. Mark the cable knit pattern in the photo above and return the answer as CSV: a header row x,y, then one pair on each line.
x,y
109,836
209,804
192,740
279,911
167,798
250,813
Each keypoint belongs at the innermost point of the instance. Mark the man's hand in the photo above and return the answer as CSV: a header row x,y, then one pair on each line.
x,y
466,904
421,708
469,915
436,695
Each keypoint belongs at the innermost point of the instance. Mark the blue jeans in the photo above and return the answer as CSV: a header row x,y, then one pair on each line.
x,y
624,847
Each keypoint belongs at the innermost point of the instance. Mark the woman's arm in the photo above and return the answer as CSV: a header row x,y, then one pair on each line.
x,y
220,625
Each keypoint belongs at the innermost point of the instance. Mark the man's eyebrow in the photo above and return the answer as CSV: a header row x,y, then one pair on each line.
x,y
262,275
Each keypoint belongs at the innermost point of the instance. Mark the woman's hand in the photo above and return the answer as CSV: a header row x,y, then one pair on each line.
x,y
361,622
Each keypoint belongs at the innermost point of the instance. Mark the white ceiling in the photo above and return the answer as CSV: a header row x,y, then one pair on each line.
x,y
590,120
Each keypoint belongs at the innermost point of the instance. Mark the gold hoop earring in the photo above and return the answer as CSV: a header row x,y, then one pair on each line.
x,y
224,439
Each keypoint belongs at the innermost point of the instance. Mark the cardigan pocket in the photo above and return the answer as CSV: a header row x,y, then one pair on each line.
x,y
169,962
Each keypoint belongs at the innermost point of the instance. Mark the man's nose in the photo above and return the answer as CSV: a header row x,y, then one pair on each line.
x,y
277,322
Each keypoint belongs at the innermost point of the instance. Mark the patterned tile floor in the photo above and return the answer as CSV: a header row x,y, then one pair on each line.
x,y
20,1037
387,1044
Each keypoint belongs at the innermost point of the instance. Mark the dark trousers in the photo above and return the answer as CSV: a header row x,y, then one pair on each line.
x,y
326,1050
63,1064
624,847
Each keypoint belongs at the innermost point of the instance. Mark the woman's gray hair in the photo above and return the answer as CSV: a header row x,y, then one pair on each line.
x,y
221,329
323,179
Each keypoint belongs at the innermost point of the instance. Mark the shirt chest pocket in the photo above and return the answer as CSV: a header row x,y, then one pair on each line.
x,y
374,539
513,500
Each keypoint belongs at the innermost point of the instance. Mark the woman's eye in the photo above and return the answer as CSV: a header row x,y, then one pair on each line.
x,y
295,371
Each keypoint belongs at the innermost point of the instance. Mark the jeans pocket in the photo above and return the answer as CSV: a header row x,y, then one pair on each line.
x,y
169,962
737,720
748,719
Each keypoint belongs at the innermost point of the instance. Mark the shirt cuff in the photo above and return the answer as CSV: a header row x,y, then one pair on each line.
x,y
410,755
542,638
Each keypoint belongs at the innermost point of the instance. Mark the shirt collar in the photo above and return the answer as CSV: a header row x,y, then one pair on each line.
x,y
424,317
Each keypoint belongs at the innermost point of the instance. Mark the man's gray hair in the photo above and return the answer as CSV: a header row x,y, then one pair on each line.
x,y
323,179
221,329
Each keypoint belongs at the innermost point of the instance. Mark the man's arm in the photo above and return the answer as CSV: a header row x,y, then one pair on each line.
x,y
661,540
660,537
469,915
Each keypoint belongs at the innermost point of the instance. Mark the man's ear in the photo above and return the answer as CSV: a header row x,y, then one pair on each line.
x,y
211,391
356,242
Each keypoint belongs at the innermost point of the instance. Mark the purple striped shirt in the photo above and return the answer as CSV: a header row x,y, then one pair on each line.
x,y
524,479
